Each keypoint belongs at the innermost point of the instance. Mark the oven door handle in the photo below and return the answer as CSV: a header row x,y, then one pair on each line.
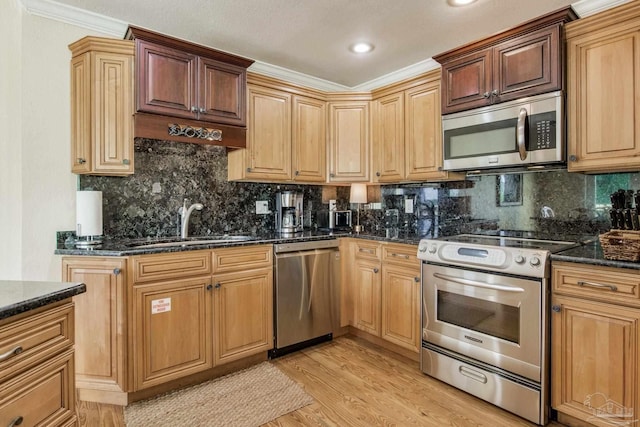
x,y
475,283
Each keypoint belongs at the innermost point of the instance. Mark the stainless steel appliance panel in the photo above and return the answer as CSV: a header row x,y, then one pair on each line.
x,y
305,291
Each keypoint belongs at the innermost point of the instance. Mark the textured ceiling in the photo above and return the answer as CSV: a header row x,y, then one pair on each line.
x,y
312,36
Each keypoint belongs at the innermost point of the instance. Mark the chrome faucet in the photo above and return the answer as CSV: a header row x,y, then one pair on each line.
x,y
185,213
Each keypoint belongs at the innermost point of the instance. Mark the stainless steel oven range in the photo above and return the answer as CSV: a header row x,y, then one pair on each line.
x,y
485,324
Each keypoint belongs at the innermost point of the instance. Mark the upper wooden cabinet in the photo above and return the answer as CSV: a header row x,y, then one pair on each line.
x,y
519,62
407,132
286,135
349,140
178,79
102,106
603,74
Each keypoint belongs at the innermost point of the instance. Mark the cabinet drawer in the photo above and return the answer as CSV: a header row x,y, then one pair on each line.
x,y
599,283
43,395
367,250
242,258
401,255
150,268
25,343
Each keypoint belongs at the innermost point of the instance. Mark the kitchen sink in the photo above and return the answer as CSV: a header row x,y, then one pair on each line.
x,y
190,241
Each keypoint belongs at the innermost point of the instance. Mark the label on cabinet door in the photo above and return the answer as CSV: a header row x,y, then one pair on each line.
x,y
160,305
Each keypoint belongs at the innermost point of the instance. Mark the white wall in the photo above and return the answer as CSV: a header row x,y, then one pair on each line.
x,y
10,140
38,166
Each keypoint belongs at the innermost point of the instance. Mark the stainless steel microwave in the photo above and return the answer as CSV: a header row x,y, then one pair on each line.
x,y
527,132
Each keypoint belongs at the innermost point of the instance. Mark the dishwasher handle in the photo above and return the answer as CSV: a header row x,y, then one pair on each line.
x,y
306,246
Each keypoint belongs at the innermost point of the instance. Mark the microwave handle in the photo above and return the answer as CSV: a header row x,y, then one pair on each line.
x,y
521,134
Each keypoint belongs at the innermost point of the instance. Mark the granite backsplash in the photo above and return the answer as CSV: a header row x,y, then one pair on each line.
x,y
147,202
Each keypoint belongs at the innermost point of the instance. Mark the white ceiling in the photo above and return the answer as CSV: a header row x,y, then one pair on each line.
x,y
310,38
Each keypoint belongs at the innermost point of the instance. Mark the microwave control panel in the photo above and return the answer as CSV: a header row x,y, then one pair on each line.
x,y
542,131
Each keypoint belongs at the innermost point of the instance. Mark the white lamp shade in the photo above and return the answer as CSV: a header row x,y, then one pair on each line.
x,y
89,213
358,193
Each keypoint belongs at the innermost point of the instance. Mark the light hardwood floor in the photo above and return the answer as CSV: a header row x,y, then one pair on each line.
x,y
355,383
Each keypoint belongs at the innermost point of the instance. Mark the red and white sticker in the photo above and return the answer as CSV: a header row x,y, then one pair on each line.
x,y
160,305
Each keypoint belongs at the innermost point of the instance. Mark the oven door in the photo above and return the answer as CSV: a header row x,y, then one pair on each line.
x,y
496,319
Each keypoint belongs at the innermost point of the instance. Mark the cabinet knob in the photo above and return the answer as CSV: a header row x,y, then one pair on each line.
x,y
416,279
573,158
116,271
194,109
209,286
248,169
494,92
486,95
126,161
297,173
218,285
16,421
332,174
375,270
202,110
377,173
81,161
556,308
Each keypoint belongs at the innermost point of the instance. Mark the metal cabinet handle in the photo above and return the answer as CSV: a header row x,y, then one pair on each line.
x,y
556,308
297,173
16,421
400,256
573,158
375,270
125,161
116,271
613,288
248,169
332,175
377,173
485,95
194,109
494,92
81,161
209,287
218,285
9,354
367,251
416,279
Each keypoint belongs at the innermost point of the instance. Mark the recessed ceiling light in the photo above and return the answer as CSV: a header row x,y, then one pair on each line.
x,y
361,47
460,2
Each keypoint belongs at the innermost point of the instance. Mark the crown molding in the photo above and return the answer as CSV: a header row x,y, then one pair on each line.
x,y
116,28
590,7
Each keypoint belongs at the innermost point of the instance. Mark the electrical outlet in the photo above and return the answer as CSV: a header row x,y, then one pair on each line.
x,y
408,206
262,207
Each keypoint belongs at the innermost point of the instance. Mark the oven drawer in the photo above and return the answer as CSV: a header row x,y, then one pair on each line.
x,y
599,283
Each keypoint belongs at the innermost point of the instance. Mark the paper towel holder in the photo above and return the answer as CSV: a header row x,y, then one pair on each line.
x,y
88,219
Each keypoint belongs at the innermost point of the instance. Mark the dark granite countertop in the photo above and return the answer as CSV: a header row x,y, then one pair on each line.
x,y
19,296
126,247
592,254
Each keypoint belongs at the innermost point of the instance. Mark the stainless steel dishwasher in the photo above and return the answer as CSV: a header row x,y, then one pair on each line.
x,y
306,294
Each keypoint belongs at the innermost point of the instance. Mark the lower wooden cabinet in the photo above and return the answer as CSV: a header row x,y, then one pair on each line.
x,y
171,330
38,383
595,345
384,287
101,335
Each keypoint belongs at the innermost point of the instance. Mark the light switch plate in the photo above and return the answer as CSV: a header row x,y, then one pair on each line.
x,y
262,207
408,206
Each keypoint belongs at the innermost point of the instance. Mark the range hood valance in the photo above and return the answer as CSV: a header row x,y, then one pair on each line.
x,y
188,92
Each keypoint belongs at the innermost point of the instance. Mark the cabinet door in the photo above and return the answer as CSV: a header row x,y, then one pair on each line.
x,y
603,108
81,135
349,141
221,92
243,314
401,306
366,277
166,82
595,361
467,82
171,330
388,138
528,65
309,139
423,133
100,327
269,135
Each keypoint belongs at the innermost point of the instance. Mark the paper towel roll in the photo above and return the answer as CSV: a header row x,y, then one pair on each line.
x,y
89,213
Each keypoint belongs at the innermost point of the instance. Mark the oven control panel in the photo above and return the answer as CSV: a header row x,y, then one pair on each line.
x,y
519,261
